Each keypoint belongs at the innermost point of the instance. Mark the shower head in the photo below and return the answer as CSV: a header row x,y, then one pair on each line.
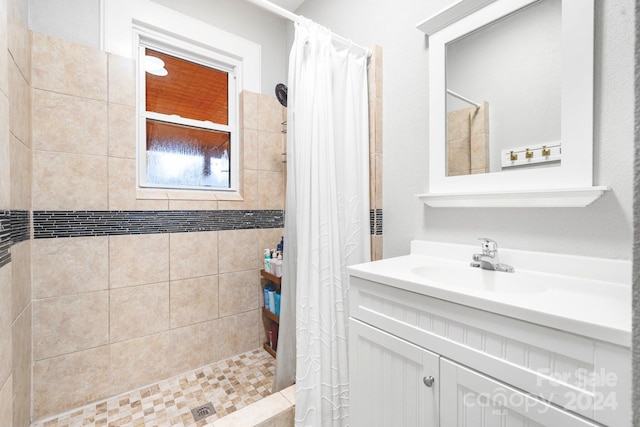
x,y
281,93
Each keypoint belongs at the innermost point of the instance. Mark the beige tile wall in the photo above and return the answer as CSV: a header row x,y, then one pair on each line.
x,y
86,373
4,50
194,300
6,348
115,313
21,332
70,266
6,403
20,174
479,140
70,323
21,277
19,101
21,380
5,152
138,311
375,141
138,259
468,141
15,194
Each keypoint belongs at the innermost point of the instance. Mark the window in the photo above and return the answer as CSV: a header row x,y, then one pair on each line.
x,y
187,131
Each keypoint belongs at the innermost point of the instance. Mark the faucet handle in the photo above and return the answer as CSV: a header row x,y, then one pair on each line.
x,y
489,247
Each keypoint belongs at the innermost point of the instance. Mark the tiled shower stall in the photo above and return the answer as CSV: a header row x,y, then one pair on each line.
x,y
105,288
145,288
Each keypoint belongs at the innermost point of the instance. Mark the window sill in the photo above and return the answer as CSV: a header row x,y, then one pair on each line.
x,y
166,194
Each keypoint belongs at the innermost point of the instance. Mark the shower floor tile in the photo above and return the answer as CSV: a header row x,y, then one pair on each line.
x,y
229,384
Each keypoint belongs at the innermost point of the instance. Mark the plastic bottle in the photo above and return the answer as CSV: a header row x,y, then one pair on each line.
x,y
267,261
272,341
272,301
280,247
277,298
266,298
273,336
278,265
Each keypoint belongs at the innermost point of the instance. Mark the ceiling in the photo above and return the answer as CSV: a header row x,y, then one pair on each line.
x,y
290,5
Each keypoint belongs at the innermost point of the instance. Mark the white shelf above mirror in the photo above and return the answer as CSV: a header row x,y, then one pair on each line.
x,y
451,14
560,197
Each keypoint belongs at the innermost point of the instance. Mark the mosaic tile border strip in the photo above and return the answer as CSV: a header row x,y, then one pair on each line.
x,y
229,384
20,228
375,218
5,238
53,224
14,228
14,225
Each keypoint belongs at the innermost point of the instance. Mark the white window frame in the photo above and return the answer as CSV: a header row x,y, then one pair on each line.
x,y
207,56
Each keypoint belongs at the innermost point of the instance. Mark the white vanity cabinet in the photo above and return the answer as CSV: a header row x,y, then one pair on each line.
x,y
487,369
394,383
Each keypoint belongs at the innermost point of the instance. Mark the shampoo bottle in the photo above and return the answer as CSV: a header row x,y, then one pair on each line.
x,y
277,298
267,261
272,301
278,265
266,298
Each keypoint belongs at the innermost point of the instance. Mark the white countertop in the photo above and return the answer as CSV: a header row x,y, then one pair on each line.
x,y
582,295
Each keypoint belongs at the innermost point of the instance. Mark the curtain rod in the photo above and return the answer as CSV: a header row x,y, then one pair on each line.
x,y
281,11
467,100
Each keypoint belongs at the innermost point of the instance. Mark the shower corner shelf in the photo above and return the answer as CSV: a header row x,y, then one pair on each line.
x,y
269,315
267,347
271,277
272,318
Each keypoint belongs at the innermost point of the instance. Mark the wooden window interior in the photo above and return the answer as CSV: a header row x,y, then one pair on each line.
x,y
180,155
189,90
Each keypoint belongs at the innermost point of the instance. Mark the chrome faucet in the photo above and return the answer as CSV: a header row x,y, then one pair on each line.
x,y
488,259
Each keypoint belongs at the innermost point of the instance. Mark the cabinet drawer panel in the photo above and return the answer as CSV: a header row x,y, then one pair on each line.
x,y
437,315
472,399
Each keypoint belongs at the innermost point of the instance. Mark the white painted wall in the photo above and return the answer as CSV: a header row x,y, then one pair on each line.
x,y
74,20
248,21
79,22
604,229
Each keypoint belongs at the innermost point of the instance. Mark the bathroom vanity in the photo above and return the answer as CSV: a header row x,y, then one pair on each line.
x,y
436,342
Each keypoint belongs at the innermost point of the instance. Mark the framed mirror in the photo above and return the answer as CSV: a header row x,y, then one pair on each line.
x,y
511,104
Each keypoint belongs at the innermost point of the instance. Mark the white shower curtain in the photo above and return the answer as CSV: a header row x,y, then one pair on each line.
x,y
327,220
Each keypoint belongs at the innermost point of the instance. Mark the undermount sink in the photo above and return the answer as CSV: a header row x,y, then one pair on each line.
x,y
478,279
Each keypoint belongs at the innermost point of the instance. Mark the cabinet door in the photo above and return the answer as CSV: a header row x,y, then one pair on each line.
x,y
388,380
472,399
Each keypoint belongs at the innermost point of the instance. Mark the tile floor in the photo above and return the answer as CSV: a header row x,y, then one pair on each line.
x,y
229,384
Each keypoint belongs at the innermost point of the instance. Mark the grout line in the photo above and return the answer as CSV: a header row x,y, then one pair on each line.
x,y
170,279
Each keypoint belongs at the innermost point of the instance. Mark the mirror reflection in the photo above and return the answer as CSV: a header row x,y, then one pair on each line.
x,y
503,84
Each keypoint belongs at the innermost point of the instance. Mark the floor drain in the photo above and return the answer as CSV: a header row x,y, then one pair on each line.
x,y
203,411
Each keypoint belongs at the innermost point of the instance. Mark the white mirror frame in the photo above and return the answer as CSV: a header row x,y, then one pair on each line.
x,y
570,183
